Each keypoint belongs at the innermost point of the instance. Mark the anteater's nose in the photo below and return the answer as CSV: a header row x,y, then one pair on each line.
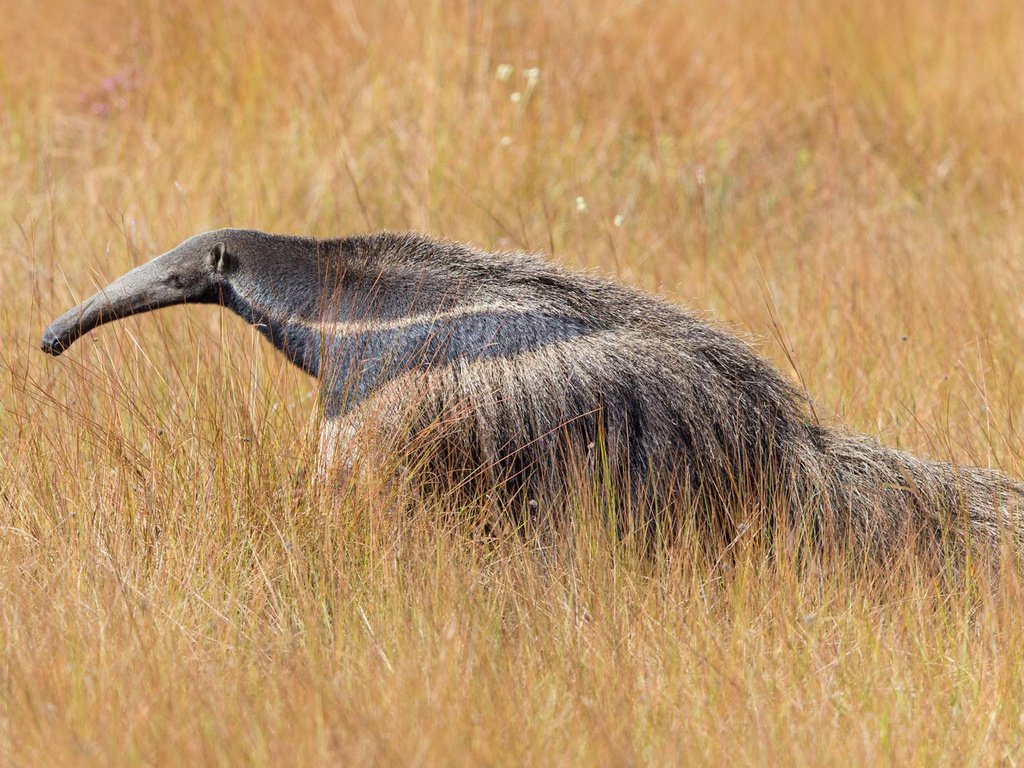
x,y
52,343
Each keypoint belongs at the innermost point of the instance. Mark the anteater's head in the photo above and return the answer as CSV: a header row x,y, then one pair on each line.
x,y
202,270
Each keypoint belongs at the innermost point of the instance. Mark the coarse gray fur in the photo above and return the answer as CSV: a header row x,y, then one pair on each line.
x,y
505,371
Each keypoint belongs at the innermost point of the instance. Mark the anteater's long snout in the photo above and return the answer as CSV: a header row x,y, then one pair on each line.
x,y
107,305
174,278
65,330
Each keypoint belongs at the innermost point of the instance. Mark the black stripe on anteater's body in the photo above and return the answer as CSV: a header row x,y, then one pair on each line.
x,y
504,371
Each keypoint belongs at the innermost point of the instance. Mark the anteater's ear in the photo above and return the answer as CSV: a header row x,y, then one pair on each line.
x,y
219,258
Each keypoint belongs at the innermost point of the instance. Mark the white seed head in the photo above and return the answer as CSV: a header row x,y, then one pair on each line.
x,y
515,97
504,71
581,204
617,221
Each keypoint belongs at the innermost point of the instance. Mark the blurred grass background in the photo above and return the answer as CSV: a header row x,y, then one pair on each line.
x,y
841,183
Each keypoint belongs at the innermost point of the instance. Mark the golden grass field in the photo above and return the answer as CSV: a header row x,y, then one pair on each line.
x,y
841,183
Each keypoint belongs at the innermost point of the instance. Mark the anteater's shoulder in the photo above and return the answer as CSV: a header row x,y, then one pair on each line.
x,y
422,252
508,275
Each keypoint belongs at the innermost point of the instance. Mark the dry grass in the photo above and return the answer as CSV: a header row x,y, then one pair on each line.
x,y
844,184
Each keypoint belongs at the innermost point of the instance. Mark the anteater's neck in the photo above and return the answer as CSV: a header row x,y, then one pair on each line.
x,y
300,340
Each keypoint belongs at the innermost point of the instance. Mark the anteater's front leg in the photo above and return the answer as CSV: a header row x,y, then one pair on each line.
x,y
371,443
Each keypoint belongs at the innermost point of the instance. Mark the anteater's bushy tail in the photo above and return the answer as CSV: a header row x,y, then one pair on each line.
x,y
882,497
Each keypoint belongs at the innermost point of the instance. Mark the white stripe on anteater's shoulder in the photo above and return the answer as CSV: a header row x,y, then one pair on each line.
x,y
509,373
340,327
